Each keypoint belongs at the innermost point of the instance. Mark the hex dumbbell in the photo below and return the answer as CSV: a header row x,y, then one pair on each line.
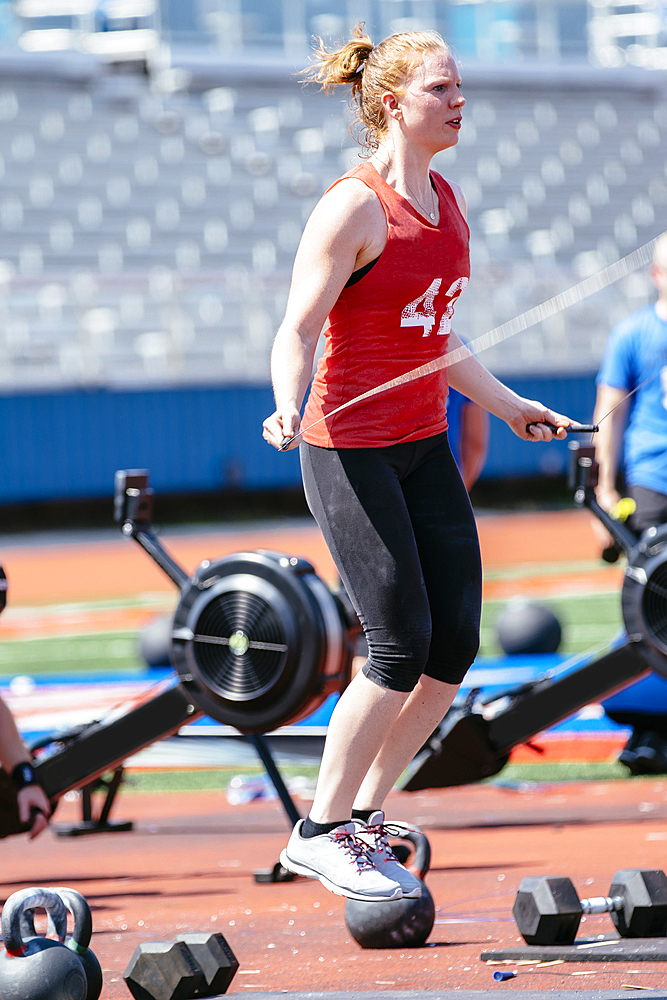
x,y
194,965
547,909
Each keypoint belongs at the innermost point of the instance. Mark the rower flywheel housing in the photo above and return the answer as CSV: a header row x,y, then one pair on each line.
x,y
644,596
259,640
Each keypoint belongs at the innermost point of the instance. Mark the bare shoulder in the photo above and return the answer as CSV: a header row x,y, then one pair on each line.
x,y
459,195
349,218
350,201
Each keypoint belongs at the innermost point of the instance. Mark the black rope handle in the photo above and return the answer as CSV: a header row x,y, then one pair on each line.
x,y
573,428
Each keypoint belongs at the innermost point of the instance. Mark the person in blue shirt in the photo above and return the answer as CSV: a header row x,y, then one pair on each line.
x,y
636,358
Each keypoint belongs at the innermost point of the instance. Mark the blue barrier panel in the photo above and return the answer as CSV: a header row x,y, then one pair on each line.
x,y
69,444
66,445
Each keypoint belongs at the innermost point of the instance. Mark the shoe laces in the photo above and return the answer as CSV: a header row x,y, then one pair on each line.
x,y
381,833
352,845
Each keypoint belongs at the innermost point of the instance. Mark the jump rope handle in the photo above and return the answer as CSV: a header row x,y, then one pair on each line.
x,y
573,428
287,443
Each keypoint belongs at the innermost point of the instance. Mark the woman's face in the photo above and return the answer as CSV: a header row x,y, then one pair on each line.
x,y
432,103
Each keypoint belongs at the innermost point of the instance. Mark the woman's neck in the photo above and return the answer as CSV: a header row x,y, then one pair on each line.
x,y
404,171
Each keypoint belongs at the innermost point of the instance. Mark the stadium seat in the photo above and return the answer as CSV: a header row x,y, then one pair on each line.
x,y
120,183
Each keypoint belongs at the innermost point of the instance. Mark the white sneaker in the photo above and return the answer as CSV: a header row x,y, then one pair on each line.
x,y
375,833
340,860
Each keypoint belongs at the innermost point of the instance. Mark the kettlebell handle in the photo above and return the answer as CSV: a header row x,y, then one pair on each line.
x,y
29,899
55,926
83,919
422,859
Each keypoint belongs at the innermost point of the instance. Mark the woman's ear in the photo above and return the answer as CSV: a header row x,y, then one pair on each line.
x,y
391,106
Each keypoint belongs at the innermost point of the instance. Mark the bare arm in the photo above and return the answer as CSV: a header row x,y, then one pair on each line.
x,y
474,442
12,753
346,230
472,379
12,749
609,439
608,442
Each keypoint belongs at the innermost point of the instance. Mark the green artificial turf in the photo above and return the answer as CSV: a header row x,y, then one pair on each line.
x,y
514,774
207,779
217,779
104,652
587,622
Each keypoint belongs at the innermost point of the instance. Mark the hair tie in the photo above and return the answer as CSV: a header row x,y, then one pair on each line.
x,y
364,60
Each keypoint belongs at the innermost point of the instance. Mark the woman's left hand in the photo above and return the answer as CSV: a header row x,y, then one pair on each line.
x,y
532,422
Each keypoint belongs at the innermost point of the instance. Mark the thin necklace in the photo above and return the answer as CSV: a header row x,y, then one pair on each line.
x,y
431,215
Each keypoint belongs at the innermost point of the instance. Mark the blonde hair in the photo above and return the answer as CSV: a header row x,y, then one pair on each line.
x,y
372,70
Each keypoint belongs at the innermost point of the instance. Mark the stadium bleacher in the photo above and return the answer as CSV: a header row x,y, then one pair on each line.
x,y
147,233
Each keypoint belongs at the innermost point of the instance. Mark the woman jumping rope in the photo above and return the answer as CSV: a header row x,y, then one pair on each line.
x,y
382,260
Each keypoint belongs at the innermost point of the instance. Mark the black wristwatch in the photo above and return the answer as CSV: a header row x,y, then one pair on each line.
x,y
23,775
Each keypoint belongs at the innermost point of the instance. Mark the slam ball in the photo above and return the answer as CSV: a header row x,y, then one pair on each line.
x,y
155,642
528,627
396,923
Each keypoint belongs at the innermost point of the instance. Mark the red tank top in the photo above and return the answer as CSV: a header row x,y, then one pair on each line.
x,y
395,318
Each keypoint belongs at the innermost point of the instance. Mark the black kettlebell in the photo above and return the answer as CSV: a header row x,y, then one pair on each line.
x,y
79,940
396,923
38,968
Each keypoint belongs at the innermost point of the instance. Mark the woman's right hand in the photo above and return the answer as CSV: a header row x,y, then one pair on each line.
x,y
34,806
283,423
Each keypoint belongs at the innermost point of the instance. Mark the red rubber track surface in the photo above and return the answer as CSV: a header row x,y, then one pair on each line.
x,y
188,864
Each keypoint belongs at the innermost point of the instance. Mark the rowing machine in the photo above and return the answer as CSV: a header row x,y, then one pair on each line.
x,y
475,741
258,641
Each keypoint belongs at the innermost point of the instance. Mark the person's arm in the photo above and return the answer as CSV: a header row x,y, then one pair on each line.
x,y
609,439
608,443
474,442
16,761
343,233
472,379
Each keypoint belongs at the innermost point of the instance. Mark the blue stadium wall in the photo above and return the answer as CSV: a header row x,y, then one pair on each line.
x,y
67,445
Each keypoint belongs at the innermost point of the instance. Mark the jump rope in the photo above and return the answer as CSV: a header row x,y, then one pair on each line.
x,y
556,304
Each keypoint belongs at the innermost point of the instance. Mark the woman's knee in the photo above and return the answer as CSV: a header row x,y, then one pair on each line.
x,y
398,665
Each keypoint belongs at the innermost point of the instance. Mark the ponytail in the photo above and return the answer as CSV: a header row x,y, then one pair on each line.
x,y
346,65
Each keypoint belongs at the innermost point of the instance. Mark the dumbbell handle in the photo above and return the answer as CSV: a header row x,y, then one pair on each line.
x,y
601,904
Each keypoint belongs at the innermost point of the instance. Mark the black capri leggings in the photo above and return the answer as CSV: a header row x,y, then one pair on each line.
x,y
400,528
